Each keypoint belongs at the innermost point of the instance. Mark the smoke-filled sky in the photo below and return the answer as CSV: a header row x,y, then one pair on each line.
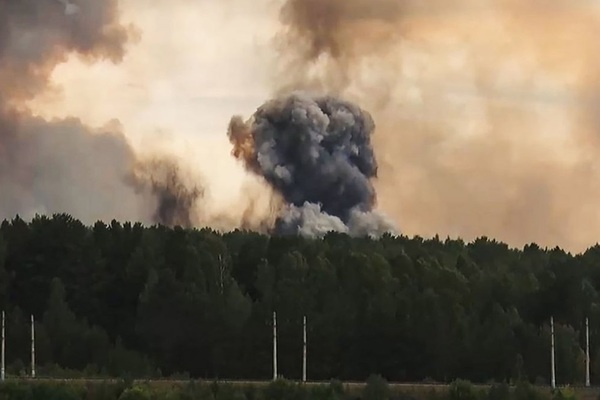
x,y
485,110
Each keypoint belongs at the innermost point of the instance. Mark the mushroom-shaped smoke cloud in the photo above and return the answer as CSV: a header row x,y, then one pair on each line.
x,y
316,152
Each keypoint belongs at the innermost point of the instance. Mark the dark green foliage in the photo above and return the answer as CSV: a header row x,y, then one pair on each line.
x,y
525,391
16,391
376,388
333,391
462,390
230,392
564,394
56,392
499,392
323,393
282,389
125,300
136,393
433,394
192,391
336,387
104,391
24,391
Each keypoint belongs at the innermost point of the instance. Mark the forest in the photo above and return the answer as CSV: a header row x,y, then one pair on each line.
x,y
123,299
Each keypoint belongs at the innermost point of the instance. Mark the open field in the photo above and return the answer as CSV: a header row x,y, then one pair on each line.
x,y
585,392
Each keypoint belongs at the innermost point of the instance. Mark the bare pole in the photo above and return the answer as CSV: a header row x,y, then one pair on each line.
x,y
552,366
274,345
587,352
2,356
32,347
304,349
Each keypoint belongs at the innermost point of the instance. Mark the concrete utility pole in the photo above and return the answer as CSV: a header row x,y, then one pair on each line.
x,y
2,356
552,366
274,345
32,347
304,349
587,352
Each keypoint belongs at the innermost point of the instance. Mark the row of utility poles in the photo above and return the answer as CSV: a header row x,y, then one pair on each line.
x,y
3,348
552,347
587,354
304,350
275,375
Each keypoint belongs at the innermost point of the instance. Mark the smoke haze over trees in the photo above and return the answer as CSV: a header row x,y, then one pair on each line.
x,y
486,111
63,165
493,133
119,297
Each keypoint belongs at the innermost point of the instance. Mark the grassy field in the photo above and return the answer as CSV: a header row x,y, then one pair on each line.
x,y
417,388
97,389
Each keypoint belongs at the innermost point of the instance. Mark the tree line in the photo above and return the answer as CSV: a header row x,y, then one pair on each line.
x,y
124,299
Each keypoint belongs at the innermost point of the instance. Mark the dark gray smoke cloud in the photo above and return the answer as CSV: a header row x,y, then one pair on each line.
x,y
486,111
176,200
316,152
63,165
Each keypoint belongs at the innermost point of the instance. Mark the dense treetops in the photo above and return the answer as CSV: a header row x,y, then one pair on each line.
x,y
127,299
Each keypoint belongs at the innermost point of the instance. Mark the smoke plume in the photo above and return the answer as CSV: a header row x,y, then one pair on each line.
x,y
485,110
176,199
336,34
62,165
316,152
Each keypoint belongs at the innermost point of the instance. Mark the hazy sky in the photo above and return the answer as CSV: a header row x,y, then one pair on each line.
x,y
196,63
485,108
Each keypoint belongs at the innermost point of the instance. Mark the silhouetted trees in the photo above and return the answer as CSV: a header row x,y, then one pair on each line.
x,y
121,298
